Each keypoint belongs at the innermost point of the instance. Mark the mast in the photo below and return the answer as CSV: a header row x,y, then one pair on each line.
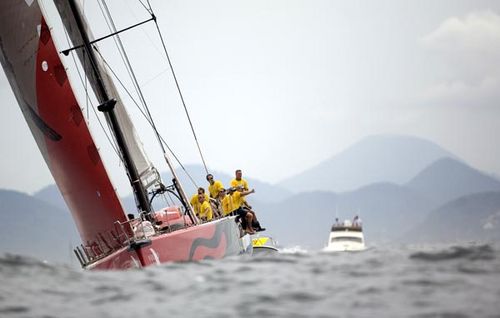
x,y
107,106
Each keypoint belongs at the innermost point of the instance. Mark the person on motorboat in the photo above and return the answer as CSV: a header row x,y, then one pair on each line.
x,y
356,222
337,223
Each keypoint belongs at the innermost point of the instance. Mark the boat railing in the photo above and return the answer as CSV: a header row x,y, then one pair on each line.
x,y
352,228
124,234
91,252
105,243
123,226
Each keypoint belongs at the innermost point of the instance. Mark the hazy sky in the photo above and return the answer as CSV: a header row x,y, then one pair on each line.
x,y
275,87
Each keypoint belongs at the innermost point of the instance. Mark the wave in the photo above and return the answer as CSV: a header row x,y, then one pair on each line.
x,y
13,260
472,253
293,250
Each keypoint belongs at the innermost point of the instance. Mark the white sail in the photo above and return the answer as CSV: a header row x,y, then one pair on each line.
x,y
145,168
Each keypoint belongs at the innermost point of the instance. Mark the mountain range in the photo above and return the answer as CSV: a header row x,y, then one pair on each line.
x,y
31,226
374,159
394,208
474,217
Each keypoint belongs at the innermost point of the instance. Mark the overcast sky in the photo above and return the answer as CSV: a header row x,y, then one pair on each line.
x,y
275,87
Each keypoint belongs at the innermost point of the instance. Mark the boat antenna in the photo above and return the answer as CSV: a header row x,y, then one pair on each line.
x,y
150,10
107,106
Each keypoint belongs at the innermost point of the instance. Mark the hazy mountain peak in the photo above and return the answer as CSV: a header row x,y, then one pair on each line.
x,y
447,179
374,159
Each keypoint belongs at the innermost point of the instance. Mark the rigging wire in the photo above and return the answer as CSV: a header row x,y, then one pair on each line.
x,y
119,45
146,117
146,34
146,113
84,83
126,61
150,10
87,97
145,6
146,82
166,197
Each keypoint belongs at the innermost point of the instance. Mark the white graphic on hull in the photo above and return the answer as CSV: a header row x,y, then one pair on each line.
x,y
155,256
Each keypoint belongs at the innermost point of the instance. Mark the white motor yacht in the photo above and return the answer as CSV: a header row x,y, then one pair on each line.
x,y
345,237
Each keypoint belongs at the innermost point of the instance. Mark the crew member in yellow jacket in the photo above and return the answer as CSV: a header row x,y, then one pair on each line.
x,y
214,186
204,210
232,205
194,199
239,181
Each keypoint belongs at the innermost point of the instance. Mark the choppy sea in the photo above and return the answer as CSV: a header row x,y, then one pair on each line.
x,y
405,281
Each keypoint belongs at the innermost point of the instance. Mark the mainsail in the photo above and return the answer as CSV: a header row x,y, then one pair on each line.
x,y
42,89
145,169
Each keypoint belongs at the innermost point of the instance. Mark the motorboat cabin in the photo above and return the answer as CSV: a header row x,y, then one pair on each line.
x,y
346,236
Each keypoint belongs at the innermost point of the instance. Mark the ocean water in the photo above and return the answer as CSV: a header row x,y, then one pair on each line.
x,y
404,281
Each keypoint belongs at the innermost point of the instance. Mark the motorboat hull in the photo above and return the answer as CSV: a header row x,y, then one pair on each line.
x,y
344,248
263,245
264,250
345,239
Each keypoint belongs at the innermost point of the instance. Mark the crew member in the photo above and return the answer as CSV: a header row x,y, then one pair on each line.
x,y
214,186
232,205
204,209
194,199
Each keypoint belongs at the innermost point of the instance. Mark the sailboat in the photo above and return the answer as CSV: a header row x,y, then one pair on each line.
x,y
45,95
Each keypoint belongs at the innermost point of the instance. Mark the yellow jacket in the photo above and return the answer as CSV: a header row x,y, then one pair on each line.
x,y
205,211
215,188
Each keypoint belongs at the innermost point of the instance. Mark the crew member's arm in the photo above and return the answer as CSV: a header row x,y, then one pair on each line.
x,y
245,193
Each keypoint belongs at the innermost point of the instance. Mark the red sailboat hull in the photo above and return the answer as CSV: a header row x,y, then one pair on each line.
x,y
211,240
